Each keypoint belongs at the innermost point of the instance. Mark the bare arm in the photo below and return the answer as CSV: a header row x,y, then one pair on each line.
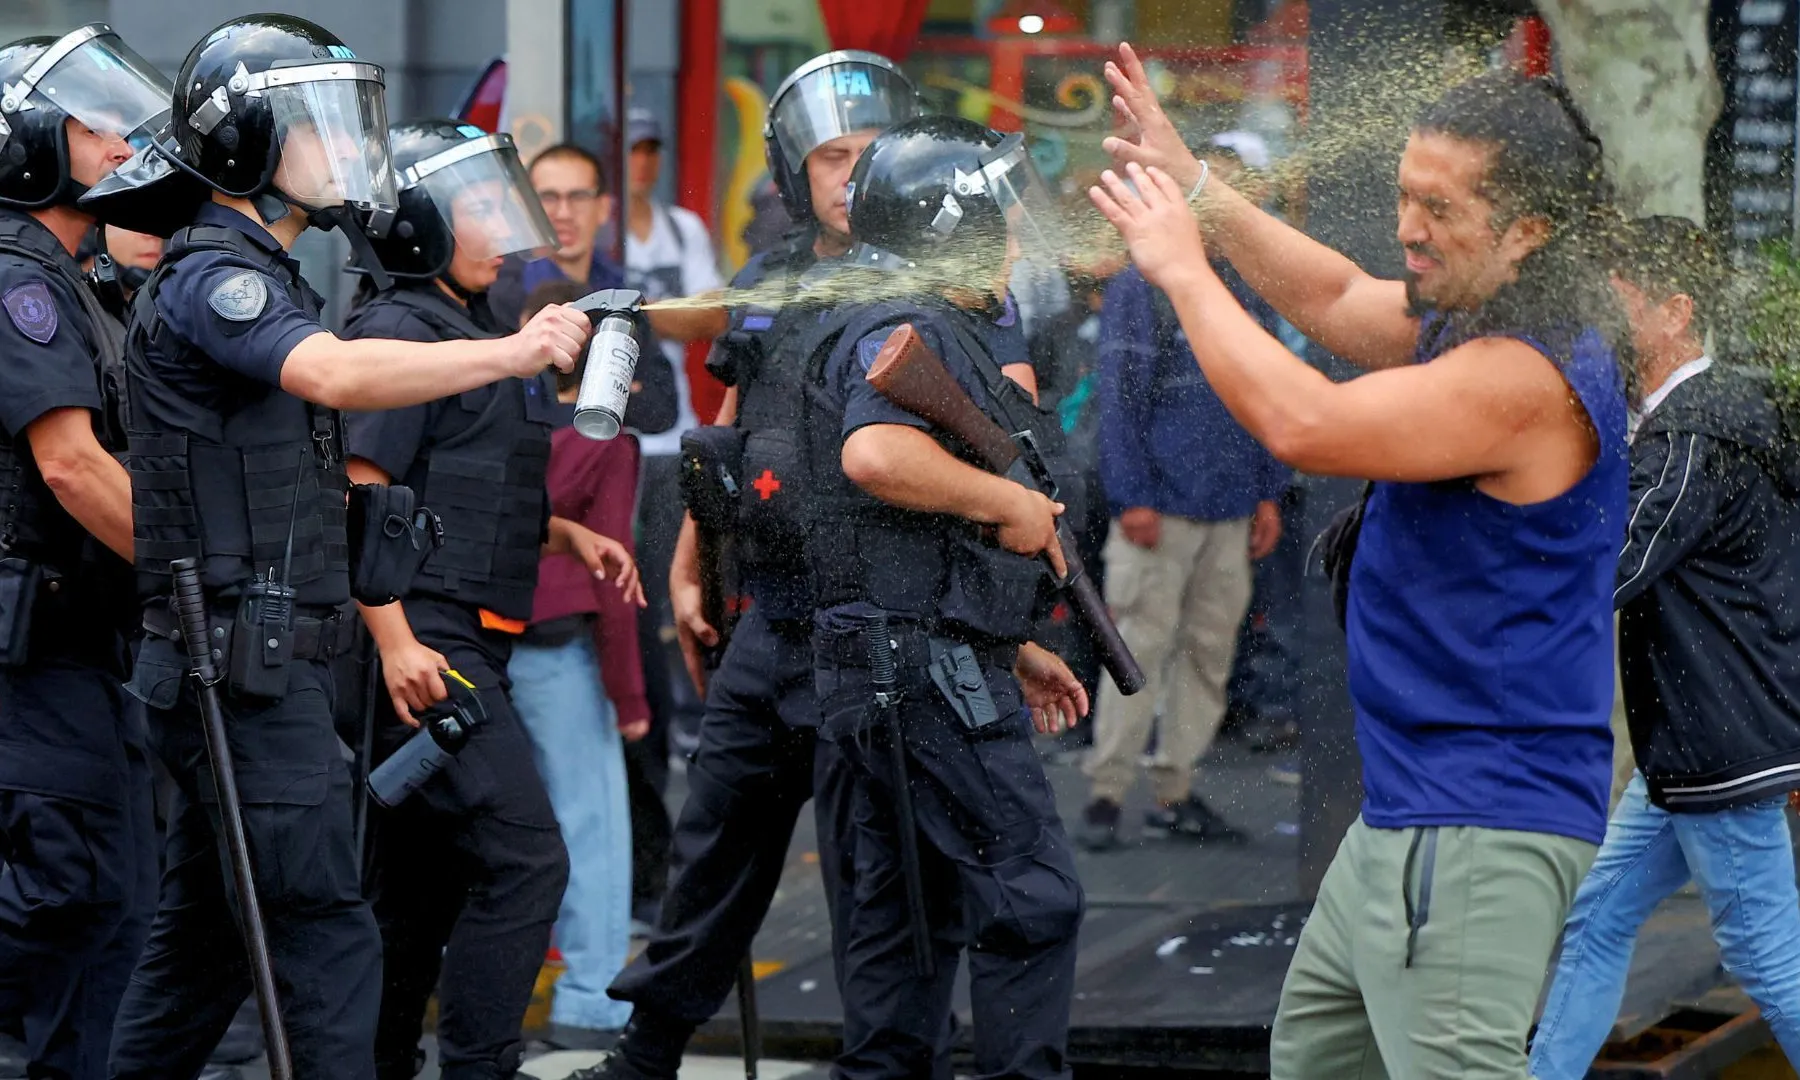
x,y
89,482
1324,294
689,323
905,467
1495,408
373,373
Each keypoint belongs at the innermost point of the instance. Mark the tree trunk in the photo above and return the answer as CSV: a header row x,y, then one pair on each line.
x,y
1642,72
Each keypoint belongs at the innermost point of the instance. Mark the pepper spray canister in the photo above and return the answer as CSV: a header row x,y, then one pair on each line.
x,y
612,358
606,384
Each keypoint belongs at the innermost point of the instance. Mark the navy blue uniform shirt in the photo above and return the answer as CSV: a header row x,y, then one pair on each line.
x,y
207,301
49,360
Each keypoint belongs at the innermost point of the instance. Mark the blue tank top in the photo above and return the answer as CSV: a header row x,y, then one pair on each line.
x,y
1480,632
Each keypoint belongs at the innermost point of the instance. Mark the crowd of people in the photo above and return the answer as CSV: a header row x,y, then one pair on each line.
x,y
399,522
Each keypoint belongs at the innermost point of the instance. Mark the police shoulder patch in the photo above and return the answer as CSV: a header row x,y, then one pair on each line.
x,y
240,297
869,348
32,310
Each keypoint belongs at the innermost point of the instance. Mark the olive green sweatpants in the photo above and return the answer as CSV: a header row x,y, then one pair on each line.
x,y
1425,955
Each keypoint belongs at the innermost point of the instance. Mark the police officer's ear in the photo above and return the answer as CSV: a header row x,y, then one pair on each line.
x,y
1678,317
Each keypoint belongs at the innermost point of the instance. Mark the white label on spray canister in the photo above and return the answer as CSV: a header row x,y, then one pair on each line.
x,y
606,384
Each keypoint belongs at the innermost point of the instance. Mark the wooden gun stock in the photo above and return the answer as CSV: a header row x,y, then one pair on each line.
x,y
907,373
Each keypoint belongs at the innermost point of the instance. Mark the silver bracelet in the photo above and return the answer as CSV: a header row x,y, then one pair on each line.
x,y
1200,184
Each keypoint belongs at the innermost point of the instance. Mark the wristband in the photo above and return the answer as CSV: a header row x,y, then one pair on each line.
x,y
1200,184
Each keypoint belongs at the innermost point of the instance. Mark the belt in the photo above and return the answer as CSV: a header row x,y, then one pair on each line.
x,y
911,648
314,638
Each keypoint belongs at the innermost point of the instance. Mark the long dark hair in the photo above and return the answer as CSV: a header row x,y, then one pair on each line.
x,y
1546,163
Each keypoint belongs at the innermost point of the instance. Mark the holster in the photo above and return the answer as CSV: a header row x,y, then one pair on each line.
x,y
391,536
712,463
19,581
254,668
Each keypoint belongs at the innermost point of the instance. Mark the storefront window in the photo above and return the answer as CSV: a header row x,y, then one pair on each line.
x,y
1034,65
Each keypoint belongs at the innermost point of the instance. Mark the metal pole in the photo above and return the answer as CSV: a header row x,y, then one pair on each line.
x,y
621,150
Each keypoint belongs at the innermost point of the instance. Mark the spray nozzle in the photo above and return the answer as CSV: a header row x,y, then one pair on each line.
x,y
598,305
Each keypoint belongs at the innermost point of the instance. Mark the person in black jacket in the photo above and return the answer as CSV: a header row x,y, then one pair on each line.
x,y
1709,648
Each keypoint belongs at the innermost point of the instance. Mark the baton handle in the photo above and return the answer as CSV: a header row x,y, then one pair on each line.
x,y
190,615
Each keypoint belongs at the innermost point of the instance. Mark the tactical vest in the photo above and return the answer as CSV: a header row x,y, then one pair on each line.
x,y
232,486
935,567
32,522
482,469
774,374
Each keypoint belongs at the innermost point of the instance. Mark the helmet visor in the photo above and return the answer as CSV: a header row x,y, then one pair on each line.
x,y
837,99
331,121
486,201
95,78
1034,221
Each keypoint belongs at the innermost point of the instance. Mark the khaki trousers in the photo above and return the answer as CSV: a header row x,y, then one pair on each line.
x,y
1425,954
1179,608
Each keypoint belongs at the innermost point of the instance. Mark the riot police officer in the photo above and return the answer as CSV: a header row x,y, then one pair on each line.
x,y
905,583
468,873
236,459
754,767
77,834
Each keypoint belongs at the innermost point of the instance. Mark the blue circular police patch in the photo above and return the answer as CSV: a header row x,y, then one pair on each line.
x,y
32,310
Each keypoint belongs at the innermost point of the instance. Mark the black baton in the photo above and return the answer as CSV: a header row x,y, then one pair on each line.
x,y
887,706
190,616
747,1015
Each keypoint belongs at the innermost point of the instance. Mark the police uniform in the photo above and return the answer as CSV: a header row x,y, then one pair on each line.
x,y
758,758
228,466
997,867
77,833
468,873
754,767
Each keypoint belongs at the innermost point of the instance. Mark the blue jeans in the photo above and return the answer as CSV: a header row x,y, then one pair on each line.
x,y
1743,861
574,729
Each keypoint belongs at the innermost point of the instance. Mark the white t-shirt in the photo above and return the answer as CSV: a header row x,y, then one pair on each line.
x,y
677,260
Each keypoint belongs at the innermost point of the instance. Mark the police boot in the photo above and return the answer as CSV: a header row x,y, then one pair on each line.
x,y
649,1048
403,1069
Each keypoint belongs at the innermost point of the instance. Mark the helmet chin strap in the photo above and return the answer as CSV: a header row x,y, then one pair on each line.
x,y
273,205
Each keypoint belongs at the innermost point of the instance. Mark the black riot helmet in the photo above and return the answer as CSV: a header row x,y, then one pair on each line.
x,y
947,195
458,185
274,109
88,75
829,96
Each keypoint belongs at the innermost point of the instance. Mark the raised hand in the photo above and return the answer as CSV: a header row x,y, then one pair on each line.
x,y
1149,139
1158,228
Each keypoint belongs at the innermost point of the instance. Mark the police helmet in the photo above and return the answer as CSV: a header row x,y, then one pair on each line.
x,y
88,75
829,96
458,185
274,105
948,193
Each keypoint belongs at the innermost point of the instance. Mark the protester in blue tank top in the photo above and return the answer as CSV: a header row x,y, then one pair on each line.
x,y
1492,426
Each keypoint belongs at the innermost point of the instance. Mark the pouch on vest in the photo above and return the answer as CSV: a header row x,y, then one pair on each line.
x,y
390,539
957,674
712,470
18,593
773,509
